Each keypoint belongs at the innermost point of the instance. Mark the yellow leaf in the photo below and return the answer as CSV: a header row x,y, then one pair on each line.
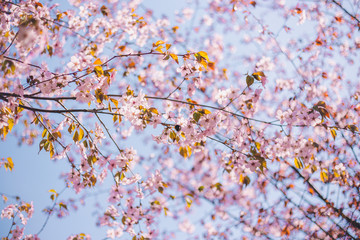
x,y
175,29
175,57
154,110
168,46
204,55
204,111
159,49
185,152
244,179
258,75
11,123
115,118
98,62
81,133
323,175
109,107
188,201
172,136
53,191
298,163
44,133
158,43
211,65
189,150
333,133
10,164
51,149
166,210
115,102
99,71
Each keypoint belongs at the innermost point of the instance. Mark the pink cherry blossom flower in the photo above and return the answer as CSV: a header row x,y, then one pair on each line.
x,y
186,226
17,233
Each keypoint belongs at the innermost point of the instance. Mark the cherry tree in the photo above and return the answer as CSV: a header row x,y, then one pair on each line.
x,y
245,115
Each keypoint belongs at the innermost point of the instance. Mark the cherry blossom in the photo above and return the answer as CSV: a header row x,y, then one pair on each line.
x,y
214,119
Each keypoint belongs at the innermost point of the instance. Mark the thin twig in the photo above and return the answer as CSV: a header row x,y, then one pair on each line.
x,y
50,211
10,44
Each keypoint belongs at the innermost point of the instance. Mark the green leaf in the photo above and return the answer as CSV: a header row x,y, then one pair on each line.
x,y
62,205
249,80
41,144
196,116
76,136
201,188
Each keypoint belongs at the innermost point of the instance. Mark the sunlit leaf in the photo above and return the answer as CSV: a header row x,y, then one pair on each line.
x,y
175,57
204,55
298,163
81,134
185,151
99,71
115,102
158,43
258,75
159,49
324,175
97,62
204,111
333,133
10,164
154,110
